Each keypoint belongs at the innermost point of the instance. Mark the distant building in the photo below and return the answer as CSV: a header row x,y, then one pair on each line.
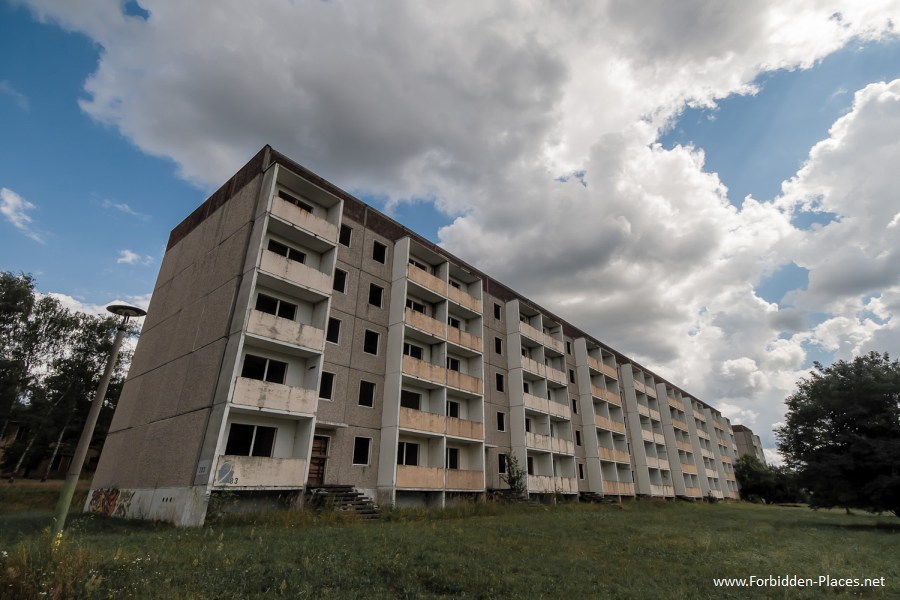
x,y
298,337
748,442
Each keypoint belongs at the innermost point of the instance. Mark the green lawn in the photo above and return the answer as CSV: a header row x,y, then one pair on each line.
x,y
641,550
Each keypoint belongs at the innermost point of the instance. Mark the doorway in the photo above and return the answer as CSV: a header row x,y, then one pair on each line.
x,y
317,461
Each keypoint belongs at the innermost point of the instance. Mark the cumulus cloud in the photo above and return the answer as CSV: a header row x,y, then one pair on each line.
x,y
128,257
15,209
484,110
7,89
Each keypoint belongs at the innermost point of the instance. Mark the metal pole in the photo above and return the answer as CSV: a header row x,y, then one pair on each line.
x,y
65,499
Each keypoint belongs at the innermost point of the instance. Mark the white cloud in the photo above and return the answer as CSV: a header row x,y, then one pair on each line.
x,y
128,257
15,209
481,108
7,89
124,208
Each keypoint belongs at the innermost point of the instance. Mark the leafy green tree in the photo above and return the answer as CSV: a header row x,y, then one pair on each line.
x,y
769,484
842,434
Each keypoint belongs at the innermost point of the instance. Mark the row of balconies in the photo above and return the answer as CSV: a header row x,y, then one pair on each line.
x,y
541,338
618,488
437,478
439,375
441,287
546,484
536,441
443,331
421,420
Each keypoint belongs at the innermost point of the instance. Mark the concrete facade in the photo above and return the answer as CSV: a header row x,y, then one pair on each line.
x,y
297,337
748,443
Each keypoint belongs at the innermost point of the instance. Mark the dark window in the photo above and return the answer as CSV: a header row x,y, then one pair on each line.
x,y
580,470
346,235
366,393
501,464
500,385
498,345
250,440
452,458
412,350
453,322
568,347
327,387
415,306
286,251
574,406
496,311
527,424
577,438
526,387
455,284
370,342
361,450
334,330
501,421
375,294
419,265
407,454
452,363
410,399
571,376
295,201
530,464
340,281
263,369
453,409
379,252
525,352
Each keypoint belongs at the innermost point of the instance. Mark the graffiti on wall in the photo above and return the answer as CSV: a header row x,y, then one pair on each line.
x,y
112,502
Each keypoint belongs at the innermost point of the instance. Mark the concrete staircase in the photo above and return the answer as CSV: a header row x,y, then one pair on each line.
x,y
343,498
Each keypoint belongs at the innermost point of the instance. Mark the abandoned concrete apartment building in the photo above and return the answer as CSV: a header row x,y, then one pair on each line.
x,y
297,337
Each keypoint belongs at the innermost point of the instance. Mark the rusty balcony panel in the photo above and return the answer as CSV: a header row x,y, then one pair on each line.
x,y
698,414
706,453
654,414
420,478
730,477
464,299
609,424
609,371
538,441
662,490
421,420
703,434
618,488
425,323
296,272
646,435
652,462
464,339
552,342
594,364
689,468
305,220
643,410
659,438
639,387
529,364
259,472
679,424
566,485
562,446
686,446
458,479
467,383
675,403
557,409
608,395
614,455
424,370
556,375
531,332
536,403
650,390
426,280
664,464
465,428
273,396
726,459
693,492
284,330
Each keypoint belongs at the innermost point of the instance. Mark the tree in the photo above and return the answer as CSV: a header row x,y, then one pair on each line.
x,y
515,476
842,434
769,484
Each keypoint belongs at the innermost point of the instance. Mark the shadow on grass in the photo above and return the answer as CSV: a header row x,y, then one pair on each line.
x,y
880,526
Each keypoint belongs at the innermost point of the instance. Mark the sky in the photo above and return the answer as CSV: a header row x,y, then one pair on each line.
x,y
707,187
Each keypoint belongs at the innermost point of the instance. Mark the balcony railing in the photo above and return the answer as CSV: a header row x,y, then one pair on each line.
x,y
701,433
675,403
426,280
654,414
555,375
682,445
284,330
609,371
562,446
650,390
425,323
618,488
529,364
259,472
699,415
646,435
537,441
420,478
464,382
464,339
421,420
458,479
679,424
465,428
594,364
609,424
662,490
643,410
712,473
273,396
464,299
689,468
692,492
614,455
652,462
664,464
546,484
639,387
304,220
296,272
424,370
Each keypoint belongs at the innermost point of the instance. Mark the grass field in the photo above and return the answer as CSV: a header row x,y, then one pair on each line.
x,y
641,550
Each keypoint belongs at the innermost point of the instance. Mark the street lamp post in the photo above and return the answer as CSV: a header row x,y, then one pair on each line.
x,y
65,498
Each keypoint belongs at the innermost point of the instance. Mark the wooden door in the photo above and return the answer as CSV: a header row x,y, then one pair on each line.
x,y
317,460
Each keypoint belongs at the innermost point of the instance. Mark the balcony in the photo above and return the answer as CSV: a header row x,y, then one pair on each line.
x,y
556,375
296,272
654,414
609,424
689,468
464,299
284,330
662,490
537,441
531,332
698,414
609,371
685,446
646,435
730,477
608,395
425,323
259,472
675,403
639,387
533,366
643,410
664,464
703,434
726,459
549,407
650,390
679,424
659,438
693,492
706,453
712,473
273,396
420,478
545,484
421,420
458,479
618,488
304,220
464,339
562,446
466,383
594,364
614,455
652,462
465,428
424,370
426,280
